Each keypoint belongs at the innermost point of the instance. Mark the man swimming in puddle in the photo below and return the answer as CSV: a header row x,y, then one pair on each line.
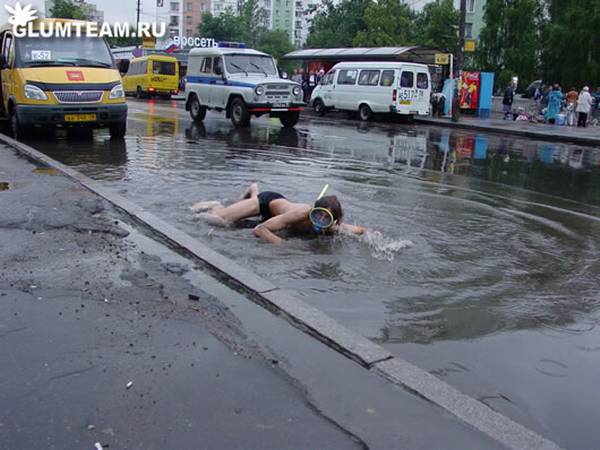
x,y
279,214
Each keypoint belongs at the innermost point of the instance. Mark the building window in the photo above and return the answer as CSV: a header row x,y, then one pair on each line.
x,y
174,21
470,6
188,20
174,6
469,30
190,6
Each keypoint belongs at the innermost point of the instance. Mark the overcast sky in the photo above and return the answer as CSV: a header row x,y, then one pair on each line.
x,y
125,10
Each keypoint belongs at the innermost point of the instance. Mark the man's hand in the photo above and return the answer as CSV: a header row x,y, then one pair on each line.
x,y
354,229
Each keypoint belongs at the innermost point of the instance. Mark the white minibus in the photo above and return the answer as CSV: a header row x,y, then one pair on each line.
x,y
374,87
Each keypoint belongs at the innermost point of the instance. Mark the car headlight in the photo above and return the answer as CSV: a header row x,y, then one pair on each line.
x,y
259,90
117,92
34,93
296,90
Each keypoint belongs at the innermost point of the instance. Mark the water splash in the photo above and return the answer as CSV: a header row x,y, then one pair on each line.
x,y
382,247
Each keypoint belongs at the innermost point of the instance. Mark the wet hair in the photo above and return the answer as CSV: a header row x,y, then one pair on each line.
x,y
332,203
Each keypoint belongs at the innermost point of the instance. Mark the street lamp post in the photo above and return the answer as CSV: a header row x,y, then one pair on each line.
x,y
459,60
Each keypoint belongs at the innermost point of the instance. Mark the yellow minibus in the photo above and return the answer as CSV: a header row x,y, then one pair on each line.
x,y
152,75
60,81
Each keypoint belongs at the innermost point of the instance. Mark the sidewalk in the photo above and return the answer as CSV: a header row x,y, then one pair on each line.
x,y
105,339
541,131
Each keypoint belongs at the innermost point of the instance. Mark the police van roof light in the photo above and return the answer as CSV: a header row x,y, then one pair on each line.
x,y
232,45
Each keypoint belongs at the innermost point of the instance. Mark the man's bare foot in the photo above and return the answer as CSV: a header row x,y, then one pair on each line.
x,y
204,206
251,192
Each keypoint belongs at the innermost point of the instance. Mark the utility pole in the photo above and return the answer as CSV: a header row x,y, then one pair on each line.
x,y
139,8
460,59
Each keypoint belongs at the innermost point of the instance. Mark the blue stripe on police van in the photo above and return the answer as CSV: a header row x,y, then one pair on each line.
x,y
219,81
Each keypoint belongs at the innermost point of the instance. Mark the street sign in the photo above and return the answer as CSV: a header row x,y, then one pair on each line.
x,y
149,42
442,58
469,45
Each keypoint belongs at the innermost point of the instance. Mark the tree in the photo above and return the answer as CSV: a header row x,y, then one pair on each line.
x,y
338,25
276,43
571,54
437,26
388,23
225,27
67,9
245,25
510,40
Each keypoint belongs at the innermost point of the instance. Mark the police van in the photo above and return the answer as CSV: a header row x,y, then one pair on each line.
x,y
242,82
374,87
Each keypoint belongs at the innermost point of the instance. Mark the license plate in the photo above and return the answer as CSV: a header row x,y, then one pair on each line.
x,y
80,117
280,105
405,102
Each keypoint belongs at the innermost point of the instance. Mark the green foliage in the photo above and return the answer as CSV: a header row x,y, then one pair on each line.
x,y
510,40
437,26
248,27
67,9
571,54
338,25
388,23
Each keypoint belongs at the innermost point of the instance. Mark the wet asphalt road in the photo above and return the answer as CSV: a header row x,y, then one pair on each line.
x,y
484,268
102,343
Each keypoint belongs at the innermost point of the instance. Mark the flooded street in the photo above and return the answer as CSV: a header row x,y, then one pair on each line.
x,y
481,265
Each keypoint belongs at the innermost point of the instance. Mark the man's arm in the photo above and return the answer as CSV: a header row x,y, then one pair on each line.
x,y
266,230
354,229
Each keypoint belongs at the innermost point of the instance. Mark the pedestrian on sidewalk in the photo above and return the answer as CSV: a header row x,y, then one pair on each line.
x,y
555,99
584,106
571,99
507,101
596,113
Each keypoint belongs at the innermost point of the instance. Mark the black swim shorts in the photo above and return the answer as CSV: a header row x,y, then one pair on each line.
x,y
264,200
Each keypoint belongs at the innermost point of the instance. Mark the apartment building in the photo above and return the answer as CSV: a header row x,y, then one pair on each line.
x,y
474,20
192,15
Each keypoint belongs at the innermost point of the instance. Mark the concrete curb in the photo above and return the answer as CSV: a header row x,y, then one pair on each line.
x,y
311,320
533,134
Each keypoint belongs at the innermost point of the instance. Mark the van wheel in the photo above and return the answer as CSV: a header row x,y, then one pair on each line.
x,y
118,130
139,93
197,111
19,130
240,116
319,107
289,119
365,113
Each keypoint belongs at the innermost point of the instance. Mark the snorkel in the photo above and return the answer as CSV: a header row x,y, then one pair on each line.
x,y
321,218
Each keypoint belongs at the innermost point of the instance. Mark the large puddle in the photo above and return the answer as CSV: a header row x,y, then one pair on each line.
x,y
483,261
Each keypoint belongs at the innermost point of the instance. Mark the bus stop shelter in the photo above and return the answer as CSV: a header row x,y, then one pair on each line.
x,y
314,59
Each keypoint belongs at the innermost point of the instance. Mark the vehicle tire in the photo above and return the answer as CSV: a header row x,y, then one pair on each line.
x,y
319,107
19,130
197,111
139,93
364,113
240,116
289,119
118,130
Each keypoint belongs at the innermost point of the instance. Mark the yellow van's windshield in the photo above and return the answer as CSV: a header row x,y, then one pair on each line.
x,y
63,51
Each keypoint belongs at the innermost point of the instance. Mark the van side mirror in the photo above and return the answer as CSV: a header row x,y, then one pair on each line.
x,y
123,66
